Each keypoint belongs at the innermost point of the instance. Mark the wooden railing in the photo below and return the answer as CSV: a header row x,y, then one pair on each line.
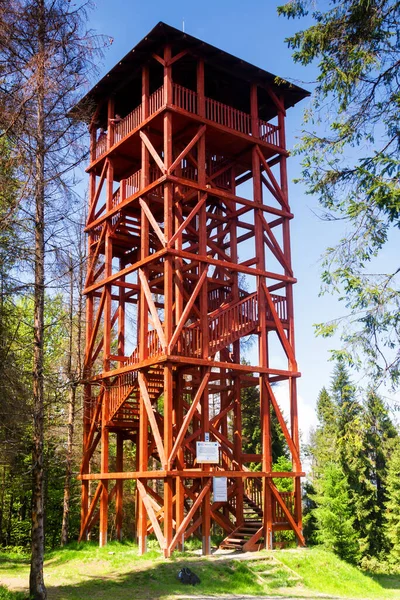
x,y
269,133
253,490
190,342
153,343
156,100
184,98
128,124
278,516
119,390
218,297
234,319
187,100
101,146
280,305
227,116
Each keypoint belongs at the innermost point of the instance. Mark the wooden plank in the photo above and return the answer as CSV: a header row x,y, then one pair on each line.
x,y
95,328
97,192
186,222
153,310
192,473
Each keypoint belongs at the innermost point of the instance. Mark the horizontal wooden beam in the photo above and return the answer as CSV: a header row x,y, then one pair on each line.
x,y
188,474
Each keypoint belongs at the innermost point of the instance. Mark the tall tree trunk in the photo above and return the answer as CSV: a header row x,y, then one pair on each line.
x,y
71,411
36,582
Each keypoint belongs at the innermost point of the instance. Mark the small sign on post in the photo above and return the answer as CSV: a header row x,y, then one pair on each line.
x,y
207,452
220,489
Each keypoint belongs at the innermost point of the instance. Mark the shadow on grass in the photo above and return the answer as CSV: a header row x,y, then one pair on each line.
x,y
388,582
161,580
13,561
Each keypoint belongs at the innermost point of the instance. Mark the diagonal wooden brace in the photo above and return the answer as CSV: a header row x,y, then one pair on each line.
x,y
287,512
151,513
152,419
189,516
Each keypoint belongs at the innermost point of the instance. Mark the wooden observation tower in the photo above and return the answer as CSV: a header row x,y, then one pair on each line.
x,y
189,255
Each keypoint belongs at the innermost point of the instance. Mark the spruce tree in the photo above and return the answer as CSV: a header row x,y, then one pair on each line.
x,y
334,516
380,435
392,515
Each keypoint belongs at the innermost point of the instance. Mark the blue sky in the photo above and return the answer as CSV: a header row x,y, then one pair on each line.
x,y
252,30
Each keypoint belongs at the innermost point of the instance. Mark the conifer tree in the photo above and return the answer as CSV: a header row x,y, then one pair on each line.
x,y
392,514
323,447
381,434
335,519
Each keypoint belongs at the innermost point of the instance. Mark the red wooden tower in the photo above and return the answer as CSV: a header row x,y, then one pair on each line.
x,y
189,253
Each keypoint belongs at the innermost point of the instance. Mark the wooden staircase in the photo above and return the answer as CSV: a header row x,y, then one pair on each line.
x,y
124,394
242,537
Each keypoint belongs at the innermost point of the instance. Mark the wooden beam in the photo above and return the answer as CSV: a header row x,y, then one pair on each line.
x,y
153,310
189,516
188,417
186,311
187,149
152,419
151,514
153,152
153,222
287,512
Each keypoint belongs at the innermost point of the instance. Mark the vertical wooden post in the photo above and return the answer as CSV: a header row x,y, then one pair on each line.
x,y
263,333
168,300
119,487
201,106
143,322
106,347
290,311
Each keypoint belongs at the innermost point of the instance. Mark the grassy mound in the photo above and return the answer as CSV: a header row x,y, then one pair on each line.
x,y
87,572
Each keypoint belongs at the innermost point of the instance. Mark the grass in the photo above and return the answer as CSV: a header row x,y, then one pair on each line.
x,y
324,572
117,572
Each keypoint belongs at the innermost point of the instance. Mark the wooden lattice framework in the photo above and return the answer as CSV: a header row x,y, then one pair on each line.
x,y
182,265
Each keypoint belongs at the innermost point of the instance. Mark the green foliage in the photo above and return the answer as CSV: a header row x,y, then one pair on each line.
x,y
392,514
5,594
310,526
351,162
350,450
334,516
283,464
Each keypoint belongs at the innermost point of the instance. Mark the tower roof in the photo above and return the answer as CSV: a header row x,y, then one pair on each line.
x,y
161,34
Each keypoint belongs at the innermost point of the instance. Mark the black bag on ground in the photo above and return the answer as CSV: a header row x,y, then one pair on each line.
x,y
185,575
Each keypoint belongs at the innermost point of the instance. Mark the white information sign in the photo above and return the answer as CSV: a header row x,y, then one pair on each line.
x,y
220,489
207,452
